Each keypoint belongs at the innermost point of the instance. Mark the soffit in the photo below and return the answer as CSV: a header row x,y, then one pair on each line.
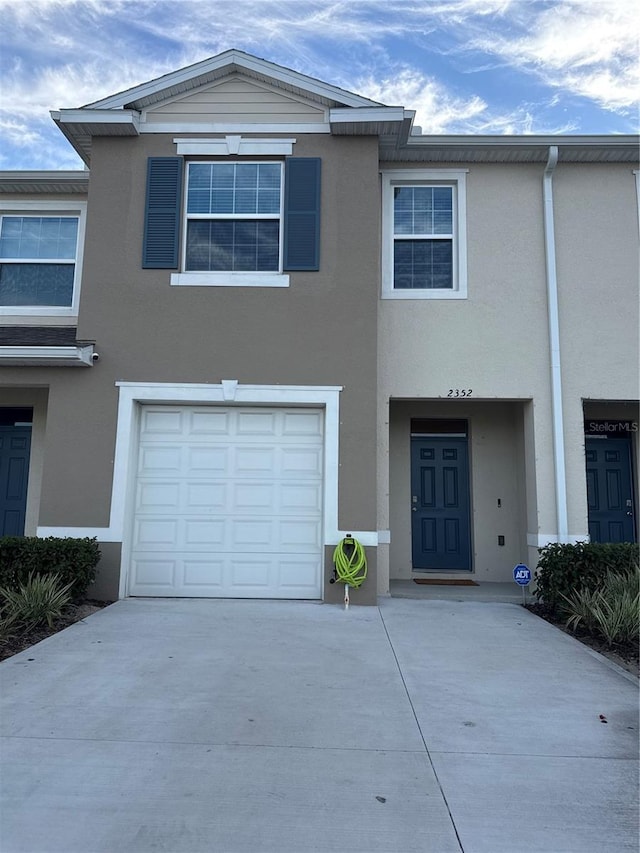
x,y
503,149
58,183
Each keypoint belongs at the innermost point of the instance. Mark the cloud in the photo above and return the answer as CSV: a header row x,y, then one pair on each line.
x,y
439,111
65,53
588,48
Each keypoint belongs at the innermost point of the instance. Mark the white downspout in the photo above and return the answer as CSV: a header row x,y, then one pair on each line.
x,y
554,347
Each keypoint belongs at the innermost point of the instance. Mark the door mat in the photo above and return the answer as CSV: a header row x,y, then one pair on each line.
x,y
434,582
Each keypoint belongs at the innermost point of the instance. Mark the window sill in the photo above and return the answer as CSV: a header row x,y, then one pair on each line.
x,y
424,294
229,279
36,311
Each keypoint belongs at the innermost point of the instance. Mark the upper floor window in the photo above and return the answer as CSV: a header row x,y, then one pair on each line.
x,y
39,259
233,215
424,234
240,223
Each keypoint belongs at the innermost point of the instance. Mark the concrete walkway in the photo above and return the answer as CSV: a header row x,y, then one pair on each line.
x,y
286,727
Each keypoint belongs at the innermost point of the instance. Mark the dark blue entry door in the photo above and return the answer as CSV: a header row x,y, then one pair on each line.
x,y
440,503
15,444
609,490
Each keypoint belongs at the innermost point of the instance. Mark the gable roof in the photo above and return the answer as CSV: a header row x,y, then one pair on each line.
x,y
121,114
231,61
348,114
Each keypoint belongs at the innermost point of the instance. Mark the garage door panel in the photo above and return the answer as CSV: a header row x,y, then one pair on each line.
x,y
228,503
159,459
301,460
252,534
164,422
209,495
298,575
202,531
257,423
158,497
155,533
254,460
254,573
202,461
203,573
152,574
300,498
302,423
254,496
207,422
301,534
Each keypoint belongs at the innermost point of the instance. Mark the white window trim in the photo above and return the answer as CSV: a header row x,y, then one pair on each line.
x,y
206,278
236,145
408,177
229,279
50,208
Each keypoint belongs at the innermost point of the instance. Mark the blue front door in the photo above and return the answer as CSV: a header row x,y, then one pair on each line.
x,y
15,444
440,530
609,490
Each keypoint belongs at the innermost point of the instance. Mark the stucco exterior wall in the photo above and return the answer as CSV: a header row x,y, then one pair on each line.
x,y
496,342
319,331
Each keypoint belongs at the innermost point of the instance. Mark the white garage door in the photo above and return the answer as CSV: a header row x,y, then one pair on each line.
x,y
228,503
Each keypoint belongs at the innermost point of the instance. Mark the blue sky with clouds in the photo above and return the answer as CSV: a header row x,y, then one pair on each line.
x,y
465,66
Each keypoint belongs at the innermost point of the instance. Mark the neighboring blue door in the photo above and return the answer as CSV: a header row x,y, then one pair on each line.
x,y
440,530
609,490
15,444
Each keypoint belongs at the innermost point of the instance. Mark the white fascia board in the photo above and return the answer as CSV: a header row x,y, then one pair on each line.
x,y
366,114
91,116
483,141
239,60
47,356
214,127
235,145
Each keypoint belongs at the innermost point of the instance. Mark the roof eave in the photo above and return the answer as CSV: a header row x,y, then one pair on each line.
x,y
59,182
80,125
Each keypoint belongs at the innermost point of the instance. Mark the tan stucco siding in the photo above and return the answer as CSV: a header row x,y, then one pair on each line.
x,y
318,331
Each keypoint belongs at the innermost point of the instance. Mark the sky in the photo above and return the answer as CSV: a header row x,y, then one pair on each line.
x,y
464,66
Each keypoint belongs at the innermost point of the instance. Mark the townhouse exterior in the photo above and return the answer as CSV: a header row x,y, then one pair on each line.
x,y
271,313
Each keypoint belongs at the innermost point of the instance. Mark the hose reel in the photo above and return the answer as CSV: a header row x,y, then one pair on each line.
x,y
350,564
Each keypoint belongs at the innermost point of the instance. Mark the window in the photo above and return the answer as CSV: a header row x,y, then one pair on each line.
x,y
39,260
233,217
240,223
424,252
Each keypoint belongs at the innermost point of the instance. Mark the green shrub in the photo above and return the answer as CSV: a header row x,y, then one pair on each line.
x,y
41,599
611,612
564,569
73,560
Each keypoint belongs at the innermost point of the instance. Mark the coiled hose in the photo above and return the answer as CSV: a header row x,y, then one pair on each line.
x,y
350,562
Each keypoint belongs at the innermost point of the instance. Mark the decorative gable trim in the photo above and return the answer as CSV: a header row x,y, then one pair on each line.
x,y
209,70
235,144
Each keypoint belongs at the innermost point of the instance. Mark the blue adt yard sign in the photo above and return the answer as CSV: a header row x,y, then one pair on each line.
x,y
522,575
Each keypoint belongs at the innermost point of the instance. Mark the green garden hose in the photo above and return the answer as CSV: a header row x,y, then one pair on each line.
x,y
350,562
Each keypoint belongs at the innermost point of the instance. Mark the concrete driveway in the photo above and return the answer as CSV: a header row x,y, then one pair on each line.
x,y
251,727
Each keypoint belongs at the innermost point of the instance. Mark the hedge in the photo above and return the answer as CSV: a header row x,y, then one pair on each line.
x,y
75,560
563,569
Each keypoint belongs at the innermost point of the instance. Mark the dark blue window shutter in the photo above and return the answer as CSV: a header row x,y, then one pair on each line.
x,y
162,213
302,213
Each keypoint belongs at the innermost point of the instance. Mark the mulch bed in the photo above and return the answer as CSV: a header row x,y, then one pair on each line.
x,y
625,655
22,640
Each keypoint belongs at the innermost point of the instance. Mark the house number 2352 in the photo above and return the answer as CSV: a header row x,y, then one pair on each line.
x,y
459,392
